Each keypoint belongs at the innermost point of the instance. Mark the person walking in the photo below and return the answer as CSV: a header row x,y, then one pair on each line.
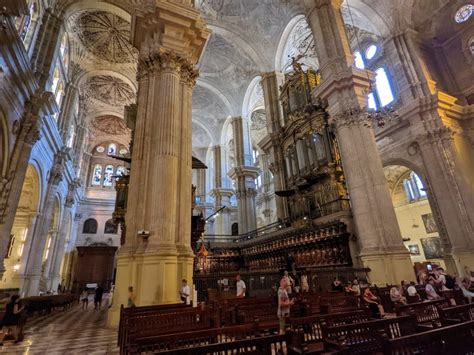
x,y
11,319
99,292
85,298
241,288
131,297
185,292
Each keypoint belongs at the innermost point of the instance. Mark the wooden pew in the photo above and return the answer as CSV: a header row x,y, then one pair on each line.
x,y
456,314
273,344
366,337
226,310
45,304
426,313
454,339
165,323
128,313
308,330
263,314
337,304
160,343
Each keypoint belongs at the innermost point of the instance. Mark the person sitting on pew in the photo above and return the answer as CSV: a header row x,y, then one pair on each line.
x,y
396,295
284,304
373,303
430,290
337,285
464,286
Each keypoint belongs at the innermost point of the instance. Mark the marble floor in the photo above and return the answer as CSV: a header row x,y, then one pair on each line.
x,y
71,332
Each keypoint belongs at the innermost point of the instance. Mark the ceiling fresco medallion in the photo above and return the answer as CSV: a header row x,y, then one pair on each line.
x,y
106,35
110,90
109,124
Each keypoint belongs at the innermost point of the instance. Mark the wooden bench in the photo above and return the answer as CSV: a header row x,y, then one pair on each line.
x,y
156,344
456,314
454,339
45,304
366,337
308,330
426,313
165,323
263,314
128,313
337,304
267,345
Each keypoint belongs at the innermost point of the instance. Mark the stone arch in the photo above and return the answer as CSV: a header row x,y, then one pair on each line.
x,y
72,7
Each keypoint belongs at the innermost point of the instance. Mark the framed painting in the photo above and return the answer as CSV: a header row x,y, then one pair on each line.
x,y
432,248
430,223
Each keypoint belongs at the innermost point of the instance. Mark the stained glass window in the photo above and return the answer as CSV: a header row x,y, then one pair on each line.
x,y
109,172
120,171
97,175
463,13
112,149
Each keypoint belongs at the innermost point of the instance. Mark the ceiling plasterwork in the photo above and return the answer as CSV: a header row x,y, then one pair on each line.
x,y
109,125
301,46
109,90
106,35
258,126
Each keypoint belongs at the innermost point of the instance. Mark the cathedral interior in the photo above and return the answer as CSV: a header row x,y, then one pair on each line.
x,y
143,142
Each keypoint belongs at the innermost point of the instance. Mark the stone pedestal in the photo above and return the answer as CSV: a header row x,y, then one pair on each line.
x,y
345,88
171,40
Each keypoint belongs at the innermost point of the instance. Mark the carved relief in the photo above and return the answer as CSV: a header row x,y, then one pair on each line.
x,y
106,36
109,90
109,124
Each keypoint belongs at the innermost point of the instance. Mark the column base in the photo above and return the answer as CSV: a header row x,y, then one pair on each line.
x,y
388,268
153,276
463,261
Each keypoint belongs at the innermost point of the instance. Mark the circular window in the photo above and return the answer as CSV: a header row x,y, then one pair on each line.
x,y
123,151
370,52
100,149
463,13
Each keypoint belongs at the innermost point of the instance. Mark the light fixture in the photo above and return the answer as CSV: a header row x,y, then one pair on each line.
x,y
16,267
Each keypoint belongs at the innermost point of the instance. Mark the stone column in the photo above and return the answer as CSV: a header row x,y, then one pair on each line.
x,y
170,40
345,89
244,175
67,111
33,273
271,94
27,134
45,47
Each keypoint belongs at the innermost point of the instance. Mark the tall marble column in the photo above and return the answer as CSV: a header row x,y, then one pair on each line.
x,y
33,273
244,175
271,94
170,38
67,111
345,88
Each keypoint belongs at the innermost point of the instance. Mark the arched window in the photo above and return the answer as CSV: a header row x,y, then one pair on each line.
x,y
90,226
414,188
384,90
71,135
97,175
110,227
120,171
371,51
109,172
112,149
26,25
358,61
235,229
64,52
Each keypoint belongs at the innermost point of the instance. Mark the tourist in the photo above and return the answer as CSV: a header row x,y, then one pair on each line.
x,y
240,284
185,292
131,297
85,298
99,292
430,290
337,285
374,304
464,286
284,304
289,282
396,295
304,283
11,319
411,290
355,287
440,279
111,295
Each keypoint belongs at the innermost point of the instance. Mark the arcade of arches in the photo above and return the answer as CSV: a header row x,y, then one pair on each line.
x,y
135,135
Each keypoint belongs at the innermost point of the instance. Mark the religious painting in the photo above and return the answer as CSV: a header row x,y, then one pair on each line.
x,y
432,248
430,223
414,249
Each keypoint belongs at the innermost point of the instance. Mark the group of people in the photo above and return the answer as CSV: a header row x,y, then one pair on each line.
x,y
98,295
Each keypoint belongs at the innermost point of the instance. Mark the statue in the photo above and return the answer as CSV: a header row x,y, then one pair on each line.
x,y
297,67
